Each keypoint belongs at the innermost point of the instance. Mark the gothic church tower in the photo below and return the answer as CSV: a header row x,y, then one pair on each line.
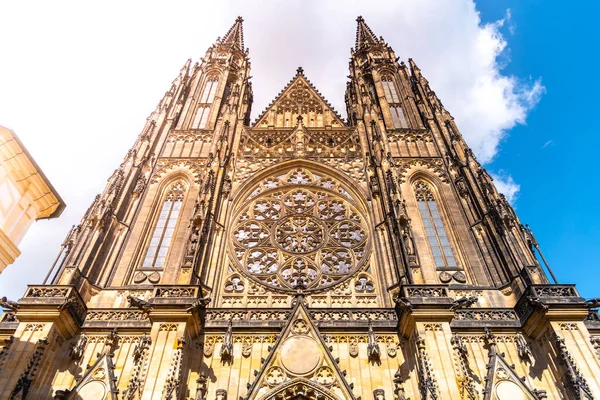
x,y
301,256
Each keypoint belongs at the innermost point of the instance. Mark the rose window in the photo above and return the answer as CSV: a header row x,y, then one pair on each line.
x,y
299,236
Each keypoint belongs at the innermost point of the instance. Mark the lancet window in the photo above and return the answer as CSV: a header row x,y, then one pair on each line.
x,y
391,95
434,227
165,227
203,111
201,117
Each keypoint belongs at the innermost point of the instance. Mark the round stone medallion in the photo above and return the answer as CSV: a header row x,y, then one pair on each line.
x,y
507,390
300,355
92,390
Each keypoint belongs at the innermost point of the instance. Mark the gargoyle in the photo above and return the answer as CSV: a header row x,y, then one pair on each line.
x,y
139,303
593,303
8,304
66,303
403,304
537,303
463,302
199,303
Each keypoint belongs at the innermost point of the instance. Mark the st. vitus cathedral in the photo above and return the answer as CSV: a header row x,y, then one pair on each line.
x,y
300,256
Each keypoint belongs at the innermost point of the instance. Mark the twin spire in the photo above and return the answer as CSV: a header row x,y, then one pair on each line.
x,y
235,35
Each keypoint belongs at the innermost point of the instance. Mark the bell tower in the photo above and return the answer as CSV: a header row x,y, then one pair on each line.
x,y
449,222
300,256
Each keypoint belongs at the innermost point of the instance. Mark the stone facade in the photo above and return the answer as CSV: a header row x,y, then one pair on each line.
x,y
300,256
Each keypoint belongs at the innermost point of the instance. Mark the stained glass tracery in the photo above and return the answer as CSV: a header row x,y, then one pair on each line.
x,y
434,227
299,230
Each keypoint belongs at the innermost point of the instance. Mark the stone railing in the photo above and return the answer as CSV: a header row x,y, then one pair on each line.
x,y
116,318
48,291
247,316
541,297
277,317
65,297
164,291
171,295
425,291
478,317
554,291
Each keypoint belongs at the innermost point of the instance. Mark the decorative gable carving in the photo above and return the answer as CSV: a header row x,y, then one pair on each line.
x,y
502,382
300,362
299,98
99,383
301,142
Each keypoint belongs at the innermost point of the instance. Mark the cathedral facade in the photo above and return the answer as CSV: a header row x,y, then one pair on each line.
x,y
300,256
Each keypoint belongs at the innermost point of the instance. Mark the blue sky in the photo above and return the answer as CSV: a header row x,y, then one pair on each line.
x,y
553,157
521,85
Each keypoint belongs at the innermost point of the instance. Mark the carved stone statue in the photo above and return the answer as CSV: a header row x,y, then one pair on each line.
x,y
409,244
523,348
78,347
227,347
373,350
192,242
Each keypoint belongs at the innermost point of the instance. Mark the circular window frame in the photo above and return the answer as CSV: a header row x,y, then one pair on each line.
x,y
360,263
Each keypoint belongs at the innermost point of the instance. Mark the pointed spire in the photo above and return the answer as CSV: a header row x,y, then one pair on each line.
x,y
364,34
235,35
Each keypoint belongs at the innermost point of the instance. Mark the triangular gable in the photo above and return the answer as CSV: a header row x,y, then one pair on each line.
x,y
300,361
99,383
299,97
501,381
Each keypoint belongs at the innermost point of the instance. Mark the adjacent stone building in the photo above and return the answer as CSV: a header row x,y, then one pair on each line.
x,y
26,195
300,256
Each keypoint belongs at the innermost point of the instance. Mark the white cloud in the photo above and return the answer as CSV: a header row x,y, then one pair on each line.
x,y
78,79
507,186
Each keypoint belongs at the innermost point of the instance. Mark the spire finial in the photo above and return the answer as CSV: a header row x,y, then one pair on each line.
x,y
300,71
364,34
235,35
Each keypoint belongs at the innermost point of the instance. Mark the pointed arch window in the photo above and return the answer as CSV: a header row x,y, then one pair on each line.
x,y
391,95
203,111
208,95
398,117
434,227
165,227
201,117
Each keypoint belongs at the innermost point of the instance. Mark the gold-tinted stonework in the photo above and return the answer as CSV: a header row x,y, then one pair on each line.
x,y
302,256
